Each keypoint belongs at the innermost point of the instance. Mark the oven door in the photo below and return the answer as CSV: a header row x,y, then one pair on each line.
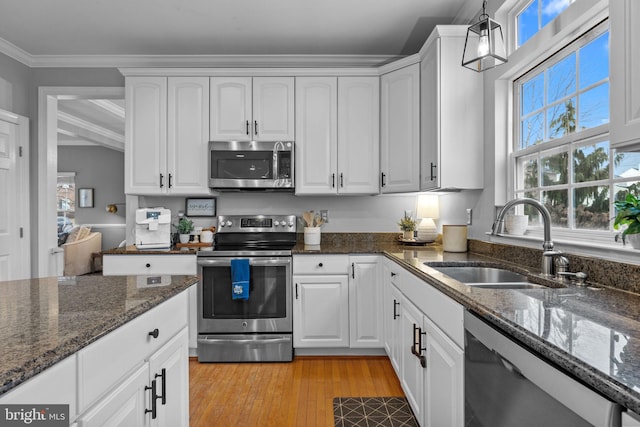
x,y
268,309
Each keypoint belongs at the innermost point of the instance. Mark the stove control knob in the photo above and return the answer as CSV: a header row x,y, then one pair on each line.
x,y
290,223
229,224
276,223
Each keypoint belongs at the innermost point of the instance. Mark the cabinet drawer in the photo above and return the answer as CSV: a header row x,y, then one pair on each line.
x,y
102,364
120,265
320,264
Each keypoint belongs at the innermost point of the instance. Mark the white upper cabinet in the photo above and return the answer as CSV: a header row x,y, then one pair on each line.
x,y
625,68
400,130
252,108
166,135
337,137
451,147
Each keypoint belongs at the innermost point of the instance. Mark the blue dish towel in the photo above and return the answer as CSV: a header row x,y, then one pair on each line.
x,y
240,279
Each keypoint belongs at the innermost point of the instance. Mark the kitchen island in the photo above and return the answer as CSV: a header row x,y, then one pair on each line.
x,y
48,319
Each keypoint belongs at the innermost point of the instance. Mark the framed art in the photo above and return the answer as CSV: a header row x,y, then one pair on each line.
x,y
85,197
200,206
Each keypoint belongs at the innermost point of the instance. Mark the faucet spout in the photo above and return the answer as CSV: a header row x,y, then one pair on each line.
x,y
547,244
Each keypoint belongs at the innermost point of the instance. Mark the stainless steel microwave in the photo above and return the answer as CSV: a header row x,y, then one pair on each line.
x,y
251,165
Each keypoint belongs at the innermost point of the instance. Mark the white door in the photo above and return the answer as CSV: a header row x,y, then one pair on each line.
x,y
230,111
365,303
316,135
188,135
358,135
14,217
145,159
273,108
169,367
400,130
321,311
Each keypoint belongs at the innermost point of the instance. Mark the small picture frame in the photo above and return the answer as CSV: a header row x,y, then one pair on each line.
x,y
85,197
200,206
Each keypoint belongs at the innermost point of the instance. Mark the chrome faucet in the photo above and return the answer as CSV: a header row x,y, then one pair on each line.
x,y
547,245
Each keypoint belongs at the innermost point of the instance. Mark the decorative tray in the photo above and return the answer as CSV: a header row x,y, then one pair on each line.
x,y
412,242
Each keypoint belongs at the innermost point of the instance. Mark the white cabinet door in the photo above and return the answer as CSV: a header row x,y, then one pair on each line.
x,y
400,130
388,307
316,135
145,135
625,68
188,135
123,407
444,379
412,372
273,108
321,311
365,303
358,135
451,154
169,367
230,112
396,340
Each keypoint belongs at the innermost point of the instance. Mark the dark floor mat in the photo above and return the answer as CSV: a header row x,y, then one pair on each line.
x,y
372,412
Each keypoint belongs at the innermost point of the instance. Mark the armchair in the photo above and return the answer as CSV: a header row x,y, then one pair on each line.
x,y
77,254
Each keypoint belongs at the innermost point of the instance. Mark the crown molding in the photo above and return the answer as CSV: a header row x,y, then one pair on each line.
x,y
193,61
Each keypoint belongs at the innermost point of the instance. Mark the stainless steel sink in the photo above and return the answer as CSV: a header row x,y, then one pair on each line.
x,y
487,277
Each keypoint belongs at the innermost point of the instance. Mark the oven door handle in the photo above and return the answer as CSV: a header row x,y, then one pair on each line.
x,y
237,341
226,262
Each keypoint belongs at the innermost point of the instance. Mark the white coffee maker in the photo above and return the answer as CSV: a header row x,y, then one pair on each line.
x,y
153,228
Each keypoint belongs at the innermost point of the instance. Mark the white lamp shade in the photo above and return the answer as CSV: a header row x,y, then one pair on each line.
x,y
428,206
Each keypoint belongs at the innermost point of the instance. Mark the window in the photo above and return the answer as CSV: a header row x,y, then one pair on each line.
x,y
535,15
66,201
561,149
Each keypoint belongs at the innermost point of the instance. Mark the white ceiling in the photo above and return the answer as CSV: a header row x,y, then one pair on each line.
x,y
121,33
38,29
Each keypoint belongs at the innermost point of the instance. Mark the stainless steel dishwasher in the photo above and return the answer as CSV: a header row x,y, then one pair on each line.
x,y
505,385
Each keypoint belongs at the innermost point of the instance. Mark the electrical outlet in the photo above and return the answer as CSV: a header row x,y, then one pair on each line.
x,y
324,214
469,216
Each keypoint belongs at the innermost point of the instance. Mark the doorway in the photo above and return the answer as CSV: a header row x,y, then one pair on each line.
x,y
47,256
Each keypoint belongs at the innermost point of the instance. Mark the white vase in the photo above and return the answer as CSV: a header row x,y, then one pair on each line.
x,y
634,239
407,235
184,238
516,224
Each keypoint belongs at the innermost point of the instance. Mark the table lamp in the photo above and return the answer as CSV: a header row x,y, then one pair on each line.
x,y
428,209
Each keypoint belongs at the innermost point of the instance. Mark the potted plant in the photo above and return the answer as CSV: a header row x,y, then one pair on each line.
x,y
185,227
628,219
407,225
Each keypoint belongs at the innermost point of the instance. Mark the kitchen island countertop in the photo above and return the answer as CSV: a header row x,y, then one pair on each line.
x,y
48,319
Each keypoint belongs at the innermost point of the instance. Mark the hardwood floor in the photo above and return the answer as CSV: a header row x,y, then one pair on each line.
x,y
296,394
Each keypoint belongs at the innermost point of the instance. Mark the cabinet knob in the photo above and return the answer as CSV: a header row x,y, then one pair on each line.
x,y
155,333
147,265
319,264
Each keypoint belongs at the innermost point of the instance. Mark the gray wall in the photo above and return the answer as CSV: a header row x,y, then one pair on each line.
x,y
103,170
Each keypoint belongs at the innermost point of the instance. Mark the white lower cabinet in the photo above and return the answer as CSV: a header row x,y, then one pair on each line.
x,y
337,302
429,361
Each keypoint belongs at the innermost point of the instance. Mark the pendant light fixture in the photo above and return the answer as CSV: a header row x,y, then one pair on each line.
x,y
484,47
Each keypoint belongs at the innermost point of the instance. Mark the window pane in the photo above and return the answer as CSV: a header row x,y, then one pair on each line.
x,y
562,79
626,165
530,211
594,107
594,61
556,202
552,8
528,23
532,130
528,170
591,162
562,119
555,169
591,207
532,94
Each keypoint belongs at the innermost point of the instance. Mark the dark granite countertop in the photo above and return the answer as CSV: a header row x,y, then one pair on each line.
x,y
592,333
48,319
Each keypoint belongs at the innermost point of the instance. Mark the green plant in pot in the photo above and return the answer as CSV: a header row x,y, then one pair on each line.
x,y
407,225
628,218
185,227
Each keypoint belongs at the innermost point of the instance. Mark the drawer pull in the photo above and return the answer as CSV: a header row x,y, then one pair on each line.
x,y
154,397
154,333
320,265
147,265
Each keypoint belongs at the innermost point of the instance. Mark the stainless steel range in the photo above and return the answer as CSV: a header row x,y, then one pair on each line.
x,y
258,329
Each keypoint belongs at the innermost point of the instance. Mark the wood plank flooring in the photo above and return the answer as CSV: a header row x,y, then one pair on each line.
x,y
296,394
